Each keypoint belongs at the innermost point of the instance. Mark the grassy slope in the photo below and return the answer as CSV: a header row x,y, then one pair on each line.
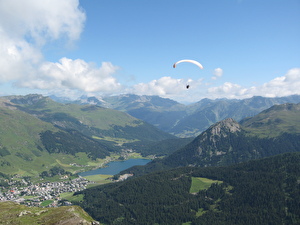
x,y
19,134
13,213
22,119
19,128
201,183
98,117
275,121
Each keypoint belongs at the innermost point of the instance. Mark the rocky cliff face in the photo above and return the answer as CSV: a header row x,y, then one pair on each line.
x,y
214,141
215,146
222,128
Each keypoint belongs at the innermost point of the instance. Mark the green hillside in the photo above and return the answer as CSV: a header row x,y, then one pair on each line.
x,y
89,119
21,149
37,134
258,192
13,213
275,121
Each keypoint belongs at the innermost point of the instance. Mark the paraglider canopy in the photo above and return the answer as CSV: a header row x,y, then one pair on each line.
x,y
189,61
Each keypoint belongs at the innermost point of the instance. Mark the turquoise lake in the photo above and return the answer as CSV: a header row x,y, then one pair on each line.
x,y
116,167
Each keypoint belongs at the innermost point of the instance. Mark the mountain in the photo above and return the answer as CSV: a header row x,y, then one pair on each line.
x,y
37,133
273,131
160,112
13,213
258,192
274,121
186,120
207,112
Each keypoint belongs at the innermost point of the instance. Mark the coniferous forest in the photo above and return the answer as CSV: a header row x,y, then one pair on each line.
x,y
265,191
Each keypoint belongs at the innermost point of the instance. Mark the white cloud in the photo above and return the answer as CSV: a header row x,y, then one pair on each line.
x,y
74,74
42,20
168,87
175,88
281,86
17,57
227,90
218,72
165,87
26,26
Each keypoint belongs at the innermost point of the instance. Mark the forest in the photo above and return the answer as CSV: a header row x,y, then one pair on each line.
x,y
264,191
229,150
72,141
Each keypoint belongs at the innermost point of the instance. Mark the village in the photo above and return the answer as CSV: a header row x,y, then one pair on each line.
x,y
29,194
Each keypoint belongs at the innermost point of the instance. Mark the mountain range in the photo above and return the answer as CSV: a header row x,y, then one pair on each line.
x,y
185,120
37,133
232,173
216,177
271,132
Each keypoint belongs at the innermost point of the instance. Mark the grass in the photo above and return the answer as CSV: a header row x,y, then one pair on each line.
x,y
200,212
273,123
99,179
14,213
70,197
101,118
117,140
46,202
20,135
201,183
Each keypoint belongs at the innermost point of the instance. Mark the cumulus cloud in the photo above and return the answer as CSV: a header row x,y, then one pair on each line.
x,y
38,21
175,88
281,86
163,86
18,57
74,74
218,72
227,90
26,27
167,87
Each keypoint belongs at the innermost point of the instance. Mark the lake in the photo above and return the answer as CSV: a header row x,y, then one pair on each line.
x,y
116,167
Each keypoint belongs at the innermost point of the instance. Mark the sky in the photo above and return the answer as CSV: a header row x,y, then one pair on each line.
x,y
109,47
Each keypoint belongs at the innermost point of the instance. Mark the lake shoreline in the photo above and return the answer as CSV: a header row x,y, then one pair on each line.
x,y
114,167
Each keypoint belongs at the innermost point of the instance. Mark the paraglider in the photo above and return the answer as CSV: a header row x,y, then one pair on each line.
x,y
189,61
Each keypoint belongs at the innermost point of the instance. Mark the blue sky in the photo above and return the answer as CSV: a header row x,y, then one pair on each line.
x,y
110,47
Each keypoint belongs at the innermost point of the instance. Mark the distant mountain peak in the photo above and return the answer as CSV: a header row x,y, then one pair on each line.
x,y
223,127
285,107
27,99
